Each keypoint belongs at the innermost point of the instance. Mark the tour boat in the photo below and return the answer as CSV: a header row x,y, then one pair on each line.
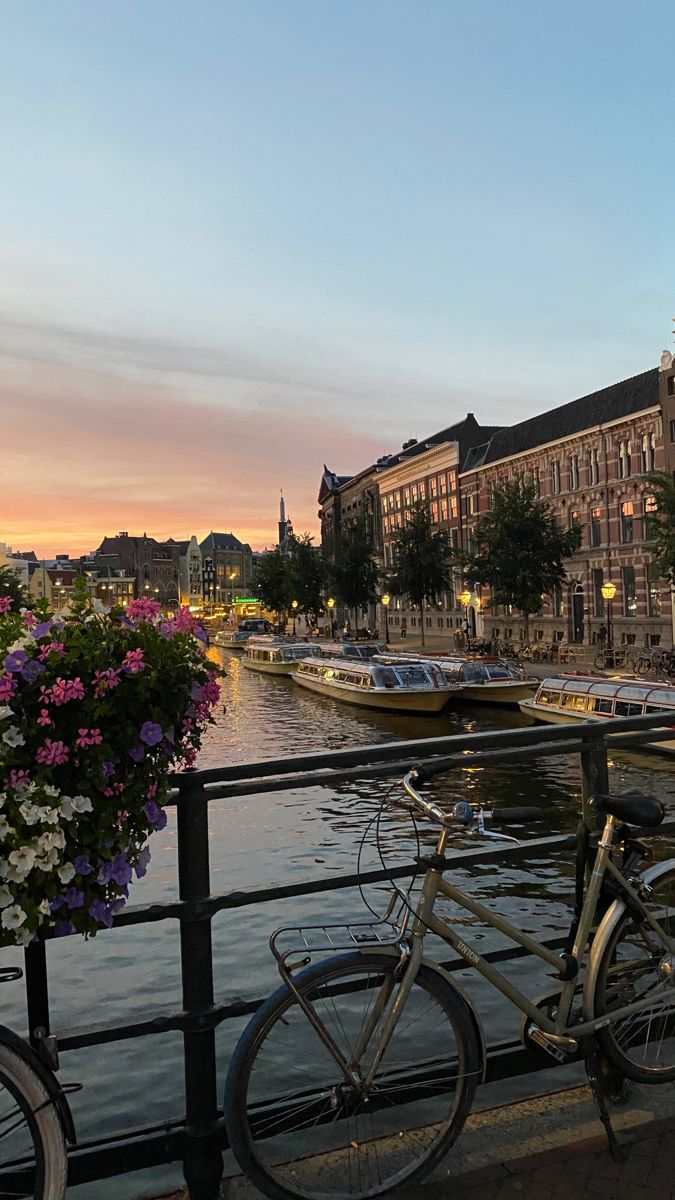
x,y
276,655
409,687
231,639
353,650
562,699
478,680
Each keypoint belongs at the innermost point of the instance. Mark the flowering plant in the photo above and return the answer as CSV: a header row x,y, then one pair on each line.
x,y
96,708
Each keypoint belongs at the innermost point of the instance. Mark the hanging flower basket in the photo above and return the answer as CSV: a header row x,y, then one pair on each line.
x,y
96,709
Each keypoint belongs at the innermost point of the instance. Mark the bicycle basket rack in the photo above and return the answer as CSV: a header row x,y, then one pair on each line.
x,y
294,945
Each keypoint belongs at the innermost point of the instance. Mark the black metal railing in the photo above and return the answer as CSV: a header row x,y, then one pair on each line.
x,y
196,1138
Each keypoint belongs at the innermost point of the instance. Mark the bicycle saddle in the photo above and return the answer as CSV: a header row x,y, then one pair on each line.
x,y
632,807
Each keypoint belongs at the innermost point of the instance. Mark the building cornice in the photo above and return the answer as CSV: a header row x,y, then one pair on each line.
x,y
410,469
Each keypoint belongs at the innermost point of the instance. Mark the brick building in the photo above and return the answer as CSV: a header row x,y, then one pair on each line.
x,y
153,565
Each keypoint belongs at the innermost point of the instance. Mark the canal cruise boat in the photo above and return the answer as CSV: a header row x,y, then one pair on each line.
x,y
478,680
352,650
231,639
563,699
406,687
276,655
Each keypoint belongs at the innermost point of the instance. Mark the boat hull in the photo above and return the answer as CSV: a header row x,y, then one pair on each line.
x,y
395,700
506,693
553,717
270,668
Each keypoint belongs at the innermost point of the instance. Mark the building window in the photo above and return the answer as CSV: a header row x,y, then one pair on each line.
x,y
653,590
598,599
647,448
596,527
573,469
433,487
467,505
452,480
434,512
444,510
627,521
558,606
406,497
649,524
629,592
672,423
423,490
624,460
535,482
575,520
671,386
413,494
453,507
593,468
555,477
442,485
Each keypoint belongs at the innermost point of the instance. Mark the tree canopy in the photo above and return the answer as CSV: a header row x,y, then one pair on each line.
x,y
661,523
354,573
422,560
520,548
272,582
10,585
307,575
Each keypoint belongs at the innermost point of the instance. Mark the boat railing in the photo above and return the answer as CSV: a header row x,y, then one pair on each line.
x,y
193,1134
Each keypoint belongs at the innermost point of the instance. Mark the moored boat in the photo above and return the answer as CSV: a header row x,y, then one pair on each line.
x,y
562,699
407,687
231,639
276,655
352,650
479,680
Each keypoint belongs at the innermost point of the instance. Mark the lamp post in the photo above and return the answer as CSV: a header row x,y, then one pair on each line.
x,y
330,605
294,606
608,593
385,602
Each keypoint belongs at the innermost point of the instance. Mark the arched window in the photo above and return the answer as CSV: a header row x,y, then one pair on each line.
x,y
649,524
593,468
626,511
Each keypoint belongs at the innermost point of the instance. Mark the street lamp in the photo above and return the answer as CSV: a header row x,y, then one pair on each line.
x,y
385,602
330,605
294,606
465,597
608,593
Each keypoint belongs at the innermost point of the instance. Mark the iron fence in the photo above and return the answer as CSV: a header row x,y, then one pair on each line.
x,y
197,1138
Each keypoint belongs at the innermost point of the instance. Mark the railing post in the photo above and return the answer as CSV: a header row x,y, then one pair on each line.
x,y
203,1160
37,992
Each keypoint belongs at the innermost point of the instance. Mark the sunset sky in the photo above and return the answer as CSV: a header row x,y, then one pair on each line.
x,y
241,239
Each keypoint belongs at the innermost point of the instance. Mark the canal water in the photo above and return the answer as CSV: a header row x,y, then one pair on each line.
x,y
287,837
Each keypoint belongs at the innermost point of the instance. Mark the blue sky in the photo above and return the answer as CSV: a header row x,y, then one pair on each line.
x,y
301,231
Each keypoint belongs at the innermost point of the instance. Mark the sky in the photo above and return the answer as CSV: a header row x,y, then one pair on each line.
x,y
242,239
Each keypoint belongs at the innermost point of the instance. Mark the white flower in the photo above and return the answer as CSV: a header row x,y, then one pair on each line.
x,y
44,908
30,812
23,859
3,797
53,839
20,643
48,815
5,712
13,917
13,737
46,861
50,791
23,937
4,827
66,873
82,804
6,897
66,808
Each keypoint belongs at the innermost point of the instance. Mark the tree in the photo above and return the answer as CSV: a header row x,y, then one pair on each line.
x,y
272,581
520,549
307,575
354,572
422,560
662,523
10,585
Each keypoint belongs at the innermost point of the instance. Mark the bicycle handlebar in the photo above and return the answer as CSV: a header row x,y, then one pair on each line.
x,y
463,813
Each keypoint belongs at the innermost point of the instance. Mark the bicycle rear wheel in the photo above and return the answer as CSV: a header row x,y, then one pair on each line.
x,y
299,1129
638,965
33,1161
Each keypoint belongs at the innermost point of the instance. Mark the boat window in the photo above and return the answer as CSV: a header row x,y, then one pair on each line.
x,y
575,703
473,673
602,704
384,677
624,708
413,676
548,696
498,672
451,672
654,708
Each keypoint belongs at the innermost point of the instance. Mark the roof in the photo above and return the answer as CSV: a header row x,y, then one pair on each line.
x,y
221,541
609,404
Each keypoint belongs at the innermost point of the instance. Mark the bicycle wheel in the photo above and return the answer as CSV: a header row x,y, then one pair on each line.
x,y
599,661
643,665
33,1161
298,1129
639,965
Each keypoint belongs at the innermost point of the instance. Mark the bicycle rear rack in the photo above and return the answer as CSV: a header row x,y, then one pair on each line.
x,y
300,943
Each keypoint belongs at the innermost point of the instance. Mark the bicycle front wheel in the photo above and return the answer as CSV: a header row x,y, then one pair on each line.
x,y
300,1129
600,660
638,965
33,1161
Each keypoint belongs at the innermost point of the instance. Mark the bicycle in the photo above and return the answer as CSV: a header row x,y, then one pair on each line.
x,y
357,1075
35,1120
611,659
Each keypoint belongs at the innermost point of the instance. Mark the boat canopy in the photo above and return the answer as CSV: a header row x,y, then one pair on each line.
x,y
378,675
624,698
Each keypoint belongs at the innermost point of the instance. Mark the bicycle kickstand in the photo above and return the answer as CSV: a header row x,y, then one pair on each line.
x,y
618,1151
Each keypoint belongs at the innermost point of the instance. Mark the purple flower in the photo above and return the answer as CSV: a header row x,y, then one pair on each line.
x,y
105,873
82,865
73,897
100,912
56,903
121,871
142,862
196,691
116,906
108,769
32,670
137,753
151,733
155,815
199,633
42,629
16,661
64,928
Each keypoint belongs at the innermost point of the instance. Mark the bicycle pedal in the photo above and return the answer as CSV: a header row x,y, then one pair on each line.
x,y
555,1044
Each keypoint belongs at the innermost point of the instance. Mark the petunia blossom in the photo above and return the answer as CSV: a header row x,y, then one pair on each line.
x,y
151,733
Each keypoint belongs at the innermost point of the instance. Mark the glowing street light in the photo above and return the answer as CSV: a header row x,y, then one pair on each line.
x,y
294,606
608,593
465,597
385,601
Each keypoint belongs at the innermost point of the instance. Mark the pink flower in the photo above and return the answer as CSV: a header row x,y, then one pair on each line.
x,y
52,753
7,687
152,790
143,610
64,690
89,737
133,659
17,779
189,756
122,816
28,620
105,680
44,718
52,648
5,603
